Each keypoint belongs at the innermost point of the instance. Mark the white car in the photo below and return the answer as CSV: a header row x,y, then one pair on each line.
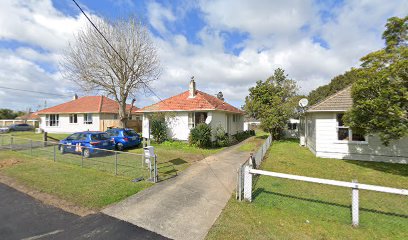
x,y
4,129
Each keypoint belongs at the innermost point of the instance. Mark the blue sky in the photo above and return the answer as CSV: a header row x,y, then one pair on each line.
x,y
227,45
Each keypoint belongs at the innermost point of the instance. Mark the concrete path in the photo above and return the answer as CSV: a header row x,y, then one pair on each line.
x,y
187,206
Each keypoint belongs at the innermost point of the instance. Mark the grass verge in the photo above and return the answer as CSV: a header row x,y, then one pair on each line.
x,y
85,187
287,209
255,143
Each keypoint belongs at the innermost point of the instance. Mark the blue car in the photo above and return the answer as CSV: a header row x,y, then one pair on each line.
x,y
124,138
86,143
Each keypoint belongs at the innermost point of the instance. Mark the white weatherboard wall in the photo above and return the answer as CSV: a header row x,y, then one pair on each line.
x,y
178,129
177,124
328,146
65,127
310,133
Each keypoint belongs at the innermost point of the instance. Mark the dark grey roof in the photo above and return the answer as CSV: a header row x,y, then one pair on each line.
x,y
338,102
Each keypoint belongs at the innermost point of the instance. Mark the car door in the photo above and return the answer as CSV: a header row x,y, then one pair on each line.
x,y
81,142
71,141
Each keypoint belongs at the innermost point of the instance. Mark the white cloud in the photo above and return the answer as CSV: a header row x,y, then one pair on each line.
x,y
280,34
158,16
37,23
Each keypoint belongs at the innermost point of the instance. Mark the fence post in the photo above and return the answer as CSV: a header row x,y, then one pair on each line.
x,y
54,153
116,163
31,147
247,183
45,139
156,178
355,205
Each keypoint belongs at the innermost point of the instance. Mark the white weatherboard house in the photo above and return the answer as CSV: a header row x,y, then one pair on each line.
x,y
188,109
326,135
93,113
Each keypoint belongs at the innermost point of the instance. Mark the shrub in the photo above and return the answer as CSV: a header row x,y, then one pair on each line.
x,y
244,135
159,128
200,136
221,137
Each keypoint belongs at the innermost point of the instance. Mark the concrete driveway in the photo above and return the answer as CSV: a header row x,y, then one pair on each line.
x,y
23,217
187,206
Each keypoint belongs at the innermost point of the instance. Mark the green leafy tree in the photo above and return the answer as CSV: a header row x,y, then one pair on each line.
x,y
10,114
380,94
271,102
336,84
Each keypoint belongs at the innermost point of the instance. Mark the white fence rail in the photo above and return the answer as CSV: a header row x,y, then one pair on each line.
x,y
355,186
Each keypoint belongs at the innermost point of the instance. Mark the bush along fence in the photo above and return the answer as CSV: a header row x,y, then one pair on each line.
x,y
254,161
249,172
139,166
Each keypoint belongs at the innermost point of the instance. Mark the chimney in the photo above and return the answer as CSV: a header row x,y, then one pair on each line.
x,y
192,88
75,97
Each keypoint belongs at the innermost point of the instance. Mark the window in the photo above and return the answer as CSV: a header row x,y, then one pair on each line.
x,y
74,136
51,120
190,120
73,118
345,133
88,118
99,136
292,126
115,116
195,118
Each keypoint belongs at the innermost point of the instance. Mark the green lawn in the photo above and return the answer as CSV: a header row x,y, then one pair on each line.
x,y
87,186
254,144
82,186
38,136
287,209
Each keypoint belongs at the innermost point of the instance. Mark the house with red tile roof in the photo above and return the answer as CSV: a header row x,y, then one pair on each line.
x,y
190,108
327,136
82,114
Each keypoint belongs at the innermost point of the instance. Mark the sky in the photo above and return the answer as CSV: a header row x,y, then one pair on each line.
x,y
227,45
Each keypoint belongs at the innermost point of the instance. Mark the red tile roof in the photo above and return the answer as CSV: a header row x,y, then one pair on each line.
x,y
87,104
30,116
182,102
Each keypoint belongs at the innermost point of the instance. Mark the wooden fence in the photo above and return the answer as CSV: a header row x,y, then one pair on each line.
x,y
106,124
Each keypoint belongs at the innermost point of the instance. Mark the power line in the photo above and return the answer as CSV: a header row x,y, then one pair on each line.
x,y
25,90
110,45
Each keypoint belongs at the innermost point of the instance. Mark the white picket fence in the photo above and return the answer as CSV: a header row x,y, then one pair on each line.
x,y
355,186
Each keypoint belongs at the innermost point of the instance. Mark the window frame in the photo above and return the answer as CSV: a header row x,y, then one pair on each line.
x,y
73,118
349,132
52,120
88,118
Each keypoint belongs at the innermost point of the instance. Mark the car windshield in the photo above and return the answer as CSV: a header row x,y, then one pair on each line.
x,y
99,136
129,133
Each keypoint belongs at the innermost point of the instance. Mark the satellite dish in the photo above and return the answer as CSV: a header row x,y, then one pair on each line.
x,y
303,102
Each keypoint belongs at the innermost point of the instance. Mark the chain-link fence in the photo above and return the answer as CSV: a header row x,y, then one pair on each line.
x,y
116,162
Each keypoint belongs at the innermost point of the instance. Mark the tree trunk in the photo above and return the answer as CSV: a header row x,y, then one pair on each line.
x,y
122,114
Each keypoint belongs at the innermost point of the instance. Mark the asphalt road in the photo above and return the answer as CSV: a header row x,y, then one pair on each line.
x,y
23,217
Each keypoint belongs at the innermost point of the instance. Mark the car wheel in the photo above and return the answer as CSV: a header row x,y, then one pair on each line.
x,y
86,153
119,147
62,149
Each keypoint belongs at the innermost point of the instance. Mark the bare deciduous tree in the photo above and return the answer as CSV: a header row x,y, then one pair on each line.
x,y
95,67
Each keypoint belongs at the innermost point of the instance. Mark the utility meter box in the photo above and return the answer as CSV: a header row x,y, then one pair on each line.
x,y
148,152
